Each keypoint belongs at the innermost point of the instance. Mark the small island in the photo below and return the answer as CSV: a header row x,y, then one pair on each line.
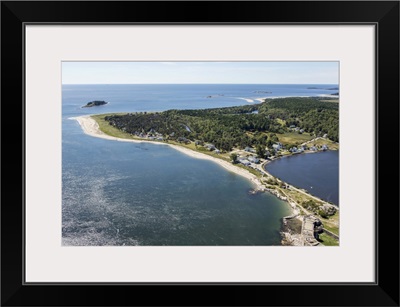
x,y
95,103
213,96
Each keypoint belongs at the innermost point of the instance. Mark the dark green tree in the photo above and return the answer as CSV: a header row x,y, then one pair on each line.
x,y
260,151
234,157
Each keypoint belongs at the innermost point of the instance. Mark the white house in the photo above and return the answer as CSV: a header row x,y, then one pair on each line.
x,y
210,146
249,149
244,162
277,146
253,159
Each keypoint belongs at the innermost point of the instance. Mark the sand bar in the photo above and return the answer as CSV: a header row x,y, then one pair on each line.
x,y
246,99
90,127
261,99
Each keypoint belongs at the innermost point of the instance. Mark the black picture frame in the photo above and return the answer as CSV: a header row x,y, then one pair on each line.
x,y
383,14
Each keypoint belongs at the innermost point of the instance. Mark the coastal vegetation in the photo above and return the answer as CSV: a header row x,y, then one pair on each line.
x,y
327,240
296,120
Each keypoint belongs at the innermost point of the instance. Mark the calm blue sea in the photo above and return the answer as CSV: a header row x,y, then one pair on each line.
x,y
117,193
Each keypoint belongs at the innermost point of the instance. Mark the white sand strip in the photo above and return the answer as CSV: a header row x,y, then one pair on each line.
x,y
247,99
90,127
261,99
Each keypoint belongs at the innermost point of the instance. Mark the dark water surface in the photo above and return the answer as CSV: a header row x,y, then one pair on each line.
x,y
318,173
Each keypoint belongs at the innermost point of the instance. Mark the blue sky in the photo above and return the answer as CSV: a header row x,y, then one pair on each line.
x,y
200,72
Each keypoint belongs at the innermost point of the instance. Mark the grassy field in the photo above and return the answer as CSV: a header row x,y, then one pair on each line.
x,y
332,224
331,144
293,138
281,121
328,240
331,100
297,196
110,130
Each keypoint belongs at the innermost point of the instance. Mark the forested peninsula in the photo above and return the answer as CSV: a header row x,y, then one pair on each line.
x,y
242,126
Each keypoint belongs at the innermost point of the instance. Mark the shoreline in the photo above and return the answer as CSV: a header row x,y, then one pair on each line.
x,y
90,127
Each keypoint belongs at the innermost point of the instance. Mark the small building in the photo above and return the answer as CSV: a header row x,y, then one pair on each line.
x,y
324,147
277,146
182,139
210,147
253,159
249,149
244,161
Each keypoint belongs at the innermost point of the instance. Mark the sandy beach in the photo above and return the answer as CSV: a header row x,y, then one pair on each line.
x,y
90,127
261,99
246,99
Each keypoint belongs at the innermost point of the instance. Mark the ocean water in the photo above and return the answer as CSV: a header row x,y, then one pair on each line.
x,y
117,193
161,97
318,173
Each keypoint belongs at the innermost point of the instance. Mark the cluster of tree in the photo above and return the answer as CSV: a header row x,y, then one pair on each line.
x,y
292,107
311,114
217,126
324,211
164,123
322,122
246,109
235,126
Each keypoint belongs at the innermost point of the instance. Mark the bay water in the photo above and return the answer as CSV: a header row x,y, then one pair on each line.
x,y
318,173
